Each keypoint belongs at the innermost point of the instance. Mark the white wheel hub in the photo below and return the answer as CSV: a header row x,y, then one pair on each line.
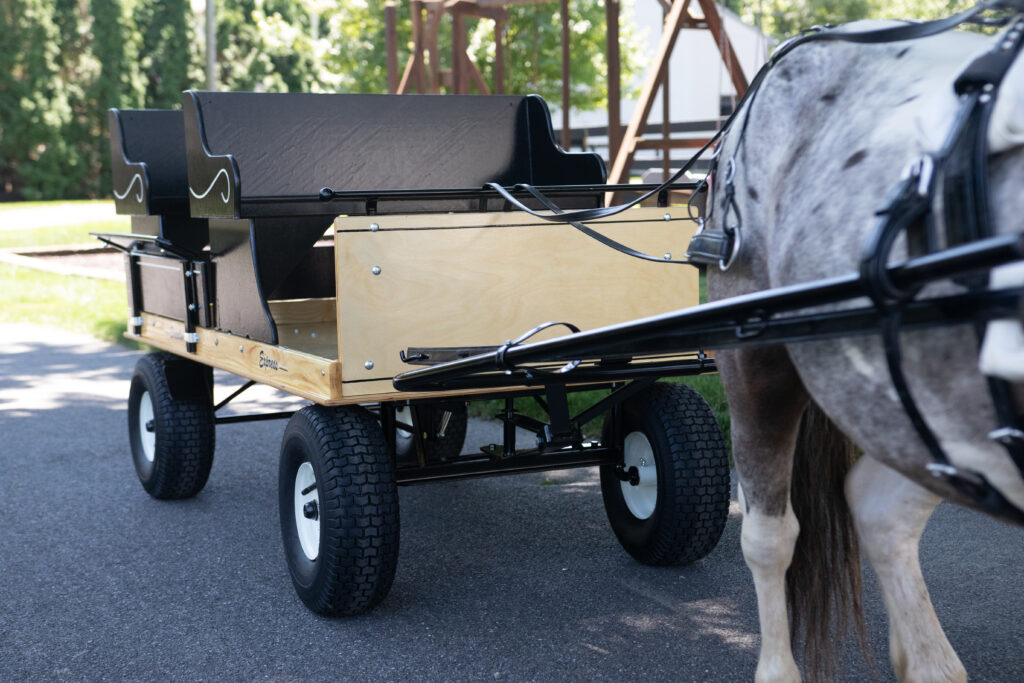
x,y
643,496
307,510
147,426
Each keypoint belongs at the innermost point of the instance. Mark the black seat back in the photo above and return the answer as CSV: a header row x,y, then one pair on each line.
x,y
246,147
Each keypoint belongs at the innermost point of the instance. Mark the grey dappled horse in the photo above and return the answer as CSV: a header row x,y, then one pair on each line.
x,y
829,135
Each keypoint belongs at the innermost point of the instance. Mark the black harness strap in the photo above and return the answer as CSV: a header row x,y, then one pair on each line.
x,y
963,164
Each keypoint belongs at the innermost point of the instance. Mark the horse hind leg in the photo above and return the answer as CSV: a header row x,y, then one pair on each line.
x,y
766,399
890,513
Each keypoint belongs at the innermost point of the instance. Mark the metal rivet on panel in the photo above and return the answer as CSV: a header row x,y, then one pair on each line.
x,y
375,270
667,217
374,227
368,365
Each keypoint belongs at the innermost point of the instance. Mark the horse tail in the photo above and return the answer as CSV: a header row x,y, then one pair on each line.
x,y
823,584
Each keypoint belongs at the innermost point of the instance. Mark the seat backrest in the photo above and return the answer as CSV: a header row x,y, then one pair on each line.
x,y
244,148
147,152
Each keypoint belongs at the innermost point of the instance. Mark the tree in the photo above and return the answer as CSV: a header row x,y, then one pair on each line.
x,y
118,82
783,18
35,159
533,37
533,51
166,60
266,45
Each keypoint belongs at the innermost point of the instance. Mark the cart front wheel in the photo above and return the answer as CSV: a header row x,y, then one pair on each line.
x,y
339,509
668,500
170,425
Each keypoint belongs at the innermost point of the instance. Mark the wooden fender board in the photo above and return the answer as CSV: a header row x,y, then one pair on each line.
x,y
286,368
457,280
296,372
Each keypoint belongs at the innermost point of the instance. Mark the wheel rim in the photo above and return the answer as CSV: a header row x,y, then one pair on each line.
x,y
147,427
403,437
641,497
307,525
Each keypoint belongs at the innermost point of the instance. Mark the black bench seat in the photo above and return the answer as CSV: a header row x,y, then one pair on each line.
x,y
150,176
258,161
269,154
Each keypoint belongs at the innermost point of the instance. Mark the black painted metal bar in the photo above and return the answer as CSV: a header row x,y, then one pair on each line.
x,y
232,419
749,319
530,461
327,195
234,395
613,399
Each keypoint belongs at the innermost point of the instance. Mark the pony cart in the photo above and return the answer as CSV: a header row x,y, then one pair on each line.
x,y
238,261
819,299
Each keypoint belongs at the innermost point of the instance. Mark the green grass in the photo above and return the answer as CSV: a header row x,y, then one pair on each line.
x,y
708,386
78,304
43,224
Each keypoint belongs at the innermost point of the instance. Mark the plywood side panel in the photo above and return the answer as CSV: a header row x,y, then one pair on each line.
x,y
479,279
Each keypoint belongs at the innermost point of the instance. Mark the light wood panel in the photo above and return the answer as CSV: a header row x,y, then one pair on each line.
x,y
315,378
480,279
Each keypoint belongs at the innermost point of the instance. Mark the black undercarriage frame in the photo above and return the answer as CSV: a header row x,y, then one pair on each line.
x,y
624,359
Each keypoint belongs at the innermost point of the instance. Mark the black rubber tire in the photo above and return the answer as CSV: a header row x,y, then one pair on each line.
x,y
437,449
183,423
358,509
692,466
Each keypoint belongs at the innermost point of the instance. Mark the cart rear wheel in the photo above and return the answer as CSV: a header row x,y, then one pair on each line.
x,y
672,506
339,509
445,425
170,425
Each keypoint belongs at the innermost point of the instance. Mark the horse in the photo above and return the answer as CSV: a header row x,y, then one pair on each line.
x,y
828,460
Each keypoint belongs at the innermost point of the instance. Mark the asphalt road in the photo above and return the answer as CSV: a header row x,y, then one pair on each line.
x,y
511,578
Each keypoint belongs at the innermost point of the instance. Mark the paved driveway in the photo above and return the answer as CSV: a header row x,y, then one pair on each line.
x,y
505,578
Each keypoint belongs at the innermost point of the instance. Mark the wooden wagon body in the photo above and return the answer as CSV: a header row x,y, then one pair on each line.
x,y
238,260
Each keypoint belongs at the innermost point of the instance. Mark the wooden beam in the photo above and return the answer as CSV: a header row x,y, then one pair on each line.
x,y
435,12
459,76
499,57
624,158
732,62
472,9
391,37
611,17
670,143
564,11
416,7
403,85
476,77
666,114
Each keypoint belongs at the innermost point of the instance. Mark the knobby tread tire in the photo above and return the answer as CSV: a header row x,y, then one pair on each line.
x,y
693,478
359,521
185,431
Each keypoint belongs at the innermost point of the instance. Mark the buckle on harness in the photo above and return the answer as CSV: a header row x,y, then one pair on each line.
x,y
710,247
1006,435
